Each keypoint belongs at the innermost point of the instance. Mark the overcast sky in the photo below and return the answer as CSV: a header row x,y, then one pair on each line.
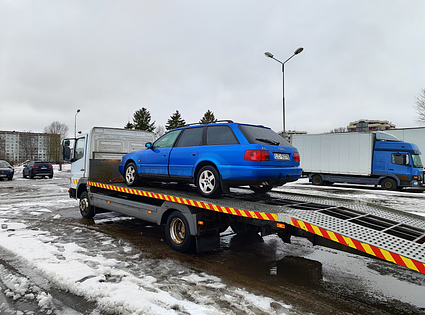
x,y
362,59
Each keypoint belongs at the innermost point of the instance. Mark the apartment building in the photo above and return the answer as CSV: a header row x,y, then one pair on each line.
x,y
17,147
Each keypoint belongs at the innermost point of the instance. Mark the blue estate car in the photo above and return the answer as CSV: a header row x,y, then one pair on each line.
x,y
215,157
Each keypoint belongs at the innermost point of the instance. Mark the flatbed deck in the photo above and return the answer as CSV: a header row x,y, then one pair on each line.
x,y
385,233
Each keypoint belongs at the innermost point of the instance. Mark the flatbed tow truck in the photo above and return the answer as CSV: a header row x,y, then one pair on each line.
x,y
193,222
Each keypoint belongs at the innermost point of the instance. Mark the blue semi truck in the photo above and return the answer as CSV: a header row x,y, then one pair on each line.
x,y
375,158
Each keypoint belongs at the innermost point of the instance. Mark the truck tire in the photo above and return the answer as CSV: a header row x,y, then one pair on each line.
x,y
388,184
177,232
317,180
87,211
208,182
130,174
261,189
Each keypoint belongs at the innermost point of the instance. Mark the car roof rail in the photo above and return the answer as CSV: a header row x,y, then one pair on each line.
x,y
217,121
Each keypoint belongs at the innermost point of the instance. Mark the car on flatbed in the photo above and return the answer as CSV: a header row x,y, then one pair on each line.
x,y
215,157
37,168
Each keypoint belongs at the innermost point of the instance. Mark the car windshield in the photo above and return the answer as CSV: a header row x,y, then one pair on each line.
x,y
262,135
3,165
417,162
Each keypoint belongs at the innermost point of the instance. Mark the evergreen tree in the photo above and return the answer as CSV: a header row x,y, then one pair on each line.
x,y
142,120
208,118
175,121
129,126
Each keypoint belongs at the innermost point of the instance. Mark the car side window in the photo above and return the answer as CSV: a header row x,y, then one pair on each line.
x,y
221,135
79,148
167,140
190,137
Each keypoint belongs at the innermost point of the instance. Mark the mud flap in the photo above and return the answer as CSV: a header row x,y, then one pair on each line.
x,y
207,242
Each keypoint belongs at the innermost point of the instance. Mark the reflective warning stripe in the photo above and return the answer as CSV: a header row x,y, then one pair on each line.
x,y
74,181
364,247
189,202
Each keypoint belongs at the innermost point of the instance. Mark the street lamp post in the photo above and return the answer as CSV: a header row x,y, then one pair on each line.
x,y
269,55
75,124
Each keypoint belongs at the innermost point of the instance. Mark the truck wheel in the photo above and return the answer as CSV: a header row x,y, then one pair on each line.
x,y
177,232
317,180
261,189
86,210
130,174
208,182
388,184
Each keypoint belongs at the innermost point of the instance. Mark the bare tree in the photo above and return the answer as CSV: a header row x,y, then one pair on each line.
x,y
339,130
420,108
28,145
56,132
159,131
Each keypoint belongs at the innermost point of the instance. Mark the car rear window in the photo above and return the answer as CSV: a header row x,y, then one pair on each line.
x,y
42,164
220,135
262,135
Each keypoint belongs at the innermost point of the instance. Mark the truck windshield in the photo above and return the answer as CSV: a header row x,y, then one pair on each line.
x,y
417,162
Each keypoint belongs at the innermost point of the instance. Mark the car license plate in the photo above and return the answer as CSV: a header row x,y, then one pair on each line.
x,y
44,168
281,156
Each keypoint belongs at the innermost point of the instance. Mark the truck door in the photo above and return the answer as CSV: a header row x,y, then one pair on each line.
x,y
78,166
401,166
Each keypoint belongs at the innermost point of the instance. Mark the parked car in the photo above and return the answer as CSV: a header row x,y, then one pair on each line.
x,y
215,157
36,168
6,170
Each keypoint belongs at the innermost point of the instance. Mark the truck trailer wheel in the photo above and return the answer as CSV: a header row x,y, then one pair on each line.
x,y
317,180
388,184
86,210
177,232
130,174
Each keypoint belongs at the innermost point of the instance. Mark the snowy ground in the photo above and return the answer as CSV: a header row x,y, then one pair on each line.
x,y
43,253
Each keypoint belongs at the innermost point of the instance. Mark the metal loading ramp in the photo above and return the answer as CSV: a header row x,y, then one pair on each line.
x,y
392,235
385,233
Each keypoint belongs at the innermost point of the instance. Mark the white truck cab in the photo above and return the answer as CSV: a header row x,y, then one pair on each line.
x,y
94,146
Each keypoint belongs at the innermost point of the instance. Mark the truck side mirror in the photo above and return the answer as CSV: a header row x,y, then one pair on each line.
x,y
66,153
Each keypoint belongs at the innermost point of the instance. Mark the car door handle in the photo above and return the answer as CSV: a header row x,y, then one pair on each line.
x,y
82,170
193,154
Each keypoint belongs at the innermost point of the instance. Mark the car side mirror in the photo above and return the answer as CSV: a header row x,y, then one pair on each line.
x,y
148,145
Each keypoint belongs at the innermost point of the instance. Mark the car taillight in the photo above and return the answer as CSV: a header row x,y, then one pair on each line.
x,y
35,167
257,155
297,157
50,166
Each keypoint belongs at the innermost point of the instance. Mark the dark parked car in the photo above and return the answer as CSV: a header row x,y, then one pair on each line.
x,y
35,168
6,170
215,157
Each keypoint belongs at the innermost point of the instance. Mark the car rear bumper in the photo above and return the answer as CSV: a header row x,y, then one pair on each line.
x,y
242,175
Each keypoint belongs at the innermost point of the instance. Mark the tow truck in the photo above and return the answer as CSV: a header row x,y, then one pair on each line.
x,y
196,223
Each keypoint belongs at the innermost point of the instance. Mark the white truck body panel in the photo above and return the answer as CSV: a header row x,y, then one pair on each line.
x,y
105,143
336,153
412,135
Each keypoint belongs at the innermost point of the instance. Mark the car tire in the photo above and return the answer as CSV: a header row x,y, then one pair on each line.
x,y
87,211
131,175
317,180
31,176
261,189
389,184
50,176
177,233
208,182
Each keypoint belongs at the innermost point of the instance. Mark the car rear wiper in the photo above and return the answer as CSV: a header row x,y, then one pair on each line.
x,y
268,141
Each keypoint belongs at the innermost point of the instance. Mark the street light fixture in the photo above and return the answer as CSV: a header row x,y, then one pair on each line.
x,y
75,124
270,55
